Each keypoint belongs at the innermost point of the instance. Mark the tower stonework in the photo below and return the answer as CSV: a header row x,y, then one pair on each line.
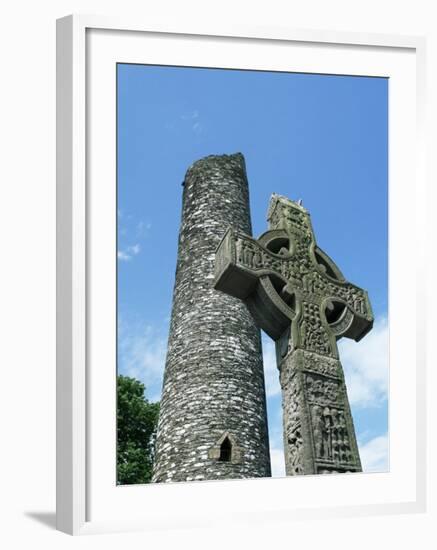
x,y
213,421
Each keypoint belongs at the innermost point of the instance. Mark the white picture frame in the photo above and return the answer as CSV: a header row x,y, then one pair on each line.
x,y
80,485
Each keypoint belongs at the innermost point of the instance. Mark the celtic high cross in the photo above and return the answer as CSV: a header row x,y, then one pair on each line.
x,y
300,298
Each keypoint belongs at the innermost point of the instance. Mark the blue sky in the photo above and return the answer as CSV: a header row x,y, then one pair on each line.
x,y
320,138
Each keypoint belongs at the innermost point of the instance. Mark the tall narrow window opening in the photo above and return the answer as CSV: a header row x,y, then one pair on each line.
x,y
226,450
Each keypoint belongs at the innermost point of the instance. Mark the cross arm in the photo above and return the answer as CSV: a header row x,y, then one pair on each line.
x,y
241,261
347,308
247,270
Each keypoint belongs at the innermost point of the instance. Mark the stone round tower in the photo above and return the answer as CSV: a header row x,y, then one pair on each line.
x,y
213,421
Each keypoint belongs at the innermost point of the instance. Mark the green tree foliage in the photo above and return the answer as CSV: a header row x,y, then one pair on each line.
x,y
136,429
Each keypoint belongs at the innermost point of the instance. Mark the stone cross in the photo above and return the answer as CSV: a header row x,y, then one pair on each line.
x,y
300,298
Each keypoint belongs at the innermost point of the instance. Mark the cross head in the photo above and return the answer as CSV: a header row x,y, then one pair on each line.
x,y
295,292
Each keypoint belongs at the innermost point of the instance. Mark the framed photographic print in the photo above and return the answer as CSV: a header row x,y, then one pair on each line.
x,y
234,211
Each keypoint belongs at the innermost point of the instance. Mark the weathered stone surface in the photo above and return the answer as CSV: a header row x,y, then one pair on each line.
x,y
213,422
298,295
319,434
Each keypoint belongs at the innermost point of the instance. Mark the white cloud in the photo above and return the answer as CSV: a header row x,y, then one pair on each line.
x,y
197,128
374,454
271,372
123,256
135,249
142,228
277,462
129,252
142,353
191,115
277,458
130,229
366,366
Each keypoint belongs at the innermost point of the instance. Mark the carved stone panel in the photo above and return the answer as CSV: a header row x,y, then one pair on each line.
x,y
333,435
318,430
293,437
322,390
313,334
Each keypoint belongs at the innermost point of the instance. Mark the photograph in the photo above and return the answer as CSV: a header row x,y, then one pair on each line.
x,y
218,322
252,274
